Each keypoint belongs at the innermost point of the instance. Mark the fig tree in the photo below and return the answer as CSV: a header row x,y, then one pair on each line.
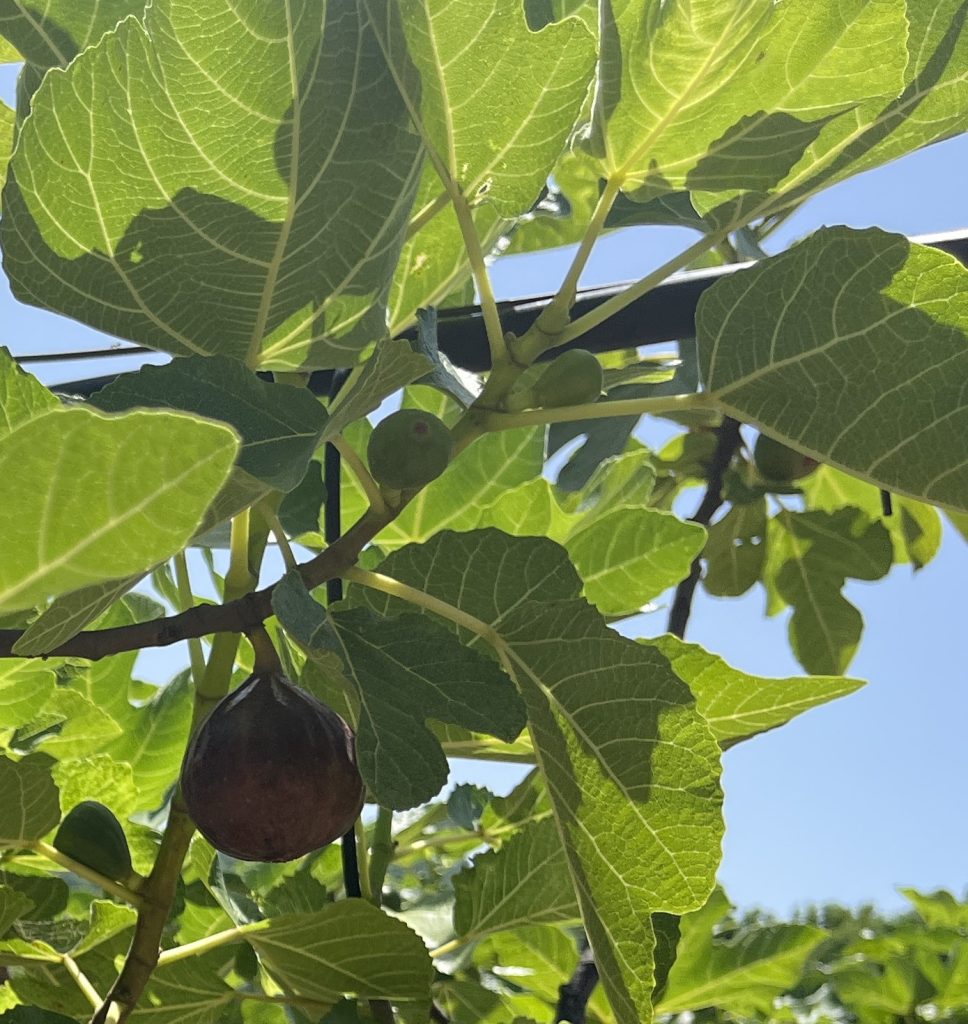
x,y
409,449
574,378
775,461
271,774
93,836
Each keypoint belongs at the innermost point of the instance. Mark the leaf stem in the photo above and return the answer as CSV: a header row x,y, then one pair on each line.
x,y
352,459
116,889
532,344
199,946
388,585
282,541
554,317
495,420
448,947
363,860
82,981
426,215
381,852
185,600
485,292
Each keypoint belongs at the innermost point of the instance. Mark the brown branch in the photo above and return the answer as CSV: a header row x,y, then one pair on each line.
x,y
727,441
202,620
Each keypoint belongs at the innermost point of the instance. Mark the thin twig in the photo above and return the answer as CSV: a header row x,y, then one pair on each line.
x,y
727,441
233,617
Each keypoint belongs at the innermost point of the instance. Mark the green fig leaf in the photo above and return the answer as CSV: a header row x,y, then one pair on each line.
x,y
30,806
626,781
148,477
847,392
286,243
349,946
280,426
404,670
737,705
526,882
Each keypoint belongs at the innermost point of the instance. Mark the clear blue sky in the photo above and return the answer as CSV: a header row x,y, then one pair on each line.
x,y
851,800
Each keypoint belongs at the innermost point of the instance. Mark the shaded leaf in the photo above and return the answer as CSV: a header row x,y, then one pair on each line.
x,y
392,366
526,882
30,806
404,670
350,947
280,426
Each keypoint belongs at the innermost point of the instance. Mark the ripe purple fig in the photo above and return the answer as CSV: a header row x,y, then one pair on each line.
x,y
271,774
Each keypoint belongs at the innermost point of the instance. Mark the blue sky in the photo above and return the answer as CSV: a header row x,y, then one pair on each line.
x,y
850,800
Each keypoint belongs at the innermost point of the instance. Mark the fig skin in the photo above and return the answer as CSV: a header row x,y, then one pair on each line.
x,y
271,774
573,378
93,836
408,449
775,461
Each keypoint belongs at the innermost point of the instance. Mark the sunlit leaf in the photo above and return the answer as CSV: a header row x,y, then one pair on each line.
x,y
743,974
641,781
470,77
849,390
282,221
121,494
737,705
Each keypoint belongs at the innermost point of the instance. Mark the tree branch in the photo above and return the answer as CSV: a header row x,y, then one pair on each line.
x,y
727,441
573,997
202,620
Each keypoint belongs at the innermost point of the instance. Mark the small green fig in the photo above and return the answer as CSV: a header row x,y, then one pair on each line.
x,y
271,773
93,836
409,449
574,378
777,462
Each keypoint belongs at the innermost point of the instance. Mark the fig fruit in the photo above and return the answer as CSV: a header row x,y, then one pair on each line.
x,y
93,836
777,462
409,449
574,378
271,774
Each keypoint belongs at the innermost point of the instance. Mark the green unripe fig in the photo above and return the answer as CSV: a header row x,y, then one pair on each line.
x,y
574,378
775,461
93,836
409,449
271,774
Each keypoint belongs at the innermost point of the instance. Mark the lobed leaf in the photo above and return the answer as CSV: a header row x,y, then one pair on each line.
x,y
737,705
861,370
268,235
404,670
635,790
